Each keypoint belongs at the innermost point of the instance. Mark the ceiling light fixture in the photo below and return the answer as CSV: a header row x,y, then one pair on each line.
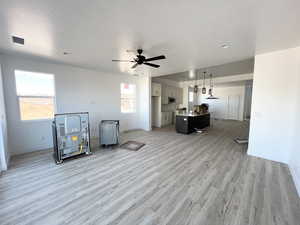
x,y
210,92
192,72
225,46
66,53
204,88
196,87
18,40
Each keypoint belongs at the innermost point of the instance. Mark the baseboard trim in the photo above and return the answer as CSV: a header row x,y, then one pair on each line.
x,y
131,130
296,179
265,157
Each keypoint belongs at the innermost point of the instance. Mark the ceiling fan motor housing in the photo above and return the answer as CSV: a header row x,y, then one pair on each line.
x,y
140,51
140,59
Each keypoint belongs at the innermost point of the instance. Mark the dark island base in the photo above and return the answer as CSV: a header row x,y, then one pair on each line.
x,y
187,124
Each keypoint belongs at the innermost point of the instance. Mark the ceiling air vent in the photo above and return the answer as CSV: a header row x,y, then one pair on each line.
x,y
18,40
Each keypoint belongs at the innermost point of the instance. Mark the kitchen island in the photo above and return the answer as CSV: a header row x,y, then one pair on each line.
x,y
188,123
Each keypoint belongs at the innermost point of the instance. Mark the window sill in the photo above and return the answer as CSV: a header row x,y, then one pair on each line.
x,y
36,121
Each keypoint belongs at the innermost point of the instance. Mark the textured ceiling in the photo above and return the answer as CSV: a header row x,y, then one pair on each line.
x,y
188,32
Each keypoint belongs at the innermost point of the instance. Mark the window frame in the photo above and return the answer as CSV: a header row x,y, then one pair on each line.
x,y
27,96
135,97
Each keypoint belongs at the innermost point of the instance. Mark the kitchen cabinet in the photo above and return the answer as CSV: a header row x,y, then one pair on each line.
x,y
164,95
166,118
156,89
171,92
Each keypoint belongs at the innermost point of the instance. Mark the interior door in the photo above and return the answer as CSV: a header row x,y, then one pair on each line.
x,y
233,107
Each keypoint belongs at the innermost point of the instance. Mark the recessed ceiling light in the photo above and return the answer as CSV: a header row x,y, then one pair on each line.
x,y
18,40
225,46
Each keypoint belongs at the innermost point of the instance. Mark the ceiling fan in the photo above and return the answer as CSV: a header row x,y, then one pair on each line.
x,y
140,59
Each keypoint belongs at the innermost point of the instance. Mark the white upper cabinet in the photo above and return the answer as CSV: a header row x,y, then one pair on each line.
x,y
156,89
171,92
166,91
164,95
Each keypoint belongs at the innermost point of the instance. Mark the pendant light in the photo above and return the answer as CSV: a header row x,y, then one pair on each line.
x,y
210,86
196,89
204,88
210,92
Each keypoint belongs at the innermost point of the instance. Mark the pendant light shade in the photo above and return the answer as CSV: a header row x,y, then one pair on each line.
x,y
196,89
196,86
212,97
204,88
210,92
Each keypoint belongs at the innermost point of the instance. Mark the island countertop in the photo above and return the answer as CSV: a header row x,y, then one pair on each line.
x,y
192,114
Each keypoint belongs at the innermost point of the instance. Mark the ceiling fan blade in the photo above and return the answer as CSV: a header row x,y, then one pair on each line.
x,y
116,60
155,58
135,65
151,64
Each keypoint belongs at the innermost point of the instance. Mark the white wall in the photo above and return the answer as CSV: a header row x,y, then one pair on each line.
x,y
274,127
274,104
4,154
77,90
219,107
294,162
145,101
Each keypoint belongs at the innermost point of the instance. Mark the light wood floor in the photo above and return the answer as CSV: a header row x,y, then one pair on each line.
x,y
203,179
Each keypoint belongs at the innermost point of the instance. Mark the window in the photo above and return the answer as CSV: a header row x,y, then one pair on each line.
x,y
35,93
191,96
128,98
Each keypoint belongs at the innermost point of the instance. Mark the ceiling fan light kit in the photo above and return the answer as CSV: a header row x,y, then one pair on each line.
x,y
142,60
